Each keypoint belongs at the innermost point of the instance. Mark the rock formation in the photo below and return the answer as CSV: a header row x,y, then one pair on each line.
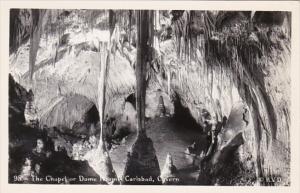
x,y
142,163
169,173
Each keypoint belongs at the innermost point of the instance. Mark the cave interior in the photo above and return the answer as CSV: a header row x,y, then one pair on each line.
x,y
186,97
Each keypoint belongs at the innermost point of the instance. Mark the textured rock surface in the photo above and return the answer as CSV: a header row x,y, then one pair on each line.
x,y
246,66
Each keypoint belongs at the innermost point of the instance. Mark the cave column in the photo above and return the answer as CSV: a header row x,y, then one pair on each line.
x,y
141,64
141,160
99,158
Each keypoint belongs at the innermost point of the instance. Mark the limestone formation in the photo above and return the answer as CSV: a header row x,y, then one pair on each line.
x,y
169,173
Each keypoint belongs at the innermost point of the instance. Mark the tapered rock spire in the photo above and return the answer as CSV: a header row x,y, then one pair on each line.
x,y
169,174
100,161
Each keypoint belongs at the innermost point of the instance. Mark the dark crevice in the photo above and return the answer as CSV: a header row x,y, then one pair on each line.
x,y
182,115
131,99
92,115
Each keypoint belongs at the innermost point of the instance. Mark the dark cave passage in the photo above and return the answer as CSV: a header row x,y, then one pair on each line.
x,y
92,115
182,115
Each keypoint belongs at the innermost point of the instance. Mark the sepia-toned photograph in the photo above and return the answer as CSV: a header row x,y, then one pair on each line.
x,y
149,97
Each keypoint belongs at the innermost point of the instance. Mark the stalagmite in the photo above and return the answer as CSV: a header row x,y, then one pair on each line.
x,y
236,140
142,165
169,173
30,113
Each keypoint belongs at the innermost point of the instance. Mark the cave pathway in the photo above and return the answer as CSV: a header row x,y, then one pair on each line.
x,y
168,137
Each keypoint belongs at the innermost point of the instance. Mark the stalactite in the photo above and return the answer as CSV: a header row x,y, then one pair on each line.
x,y
130,25
112,20
14,25
104,60
35,35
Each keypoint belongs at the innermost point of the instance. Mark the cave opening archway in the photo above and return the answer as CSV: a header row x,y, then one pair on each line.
x,y
73,114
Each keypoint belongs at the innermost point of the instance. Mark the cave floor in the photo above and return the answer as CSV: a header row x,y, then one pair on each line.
x,y
167,137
